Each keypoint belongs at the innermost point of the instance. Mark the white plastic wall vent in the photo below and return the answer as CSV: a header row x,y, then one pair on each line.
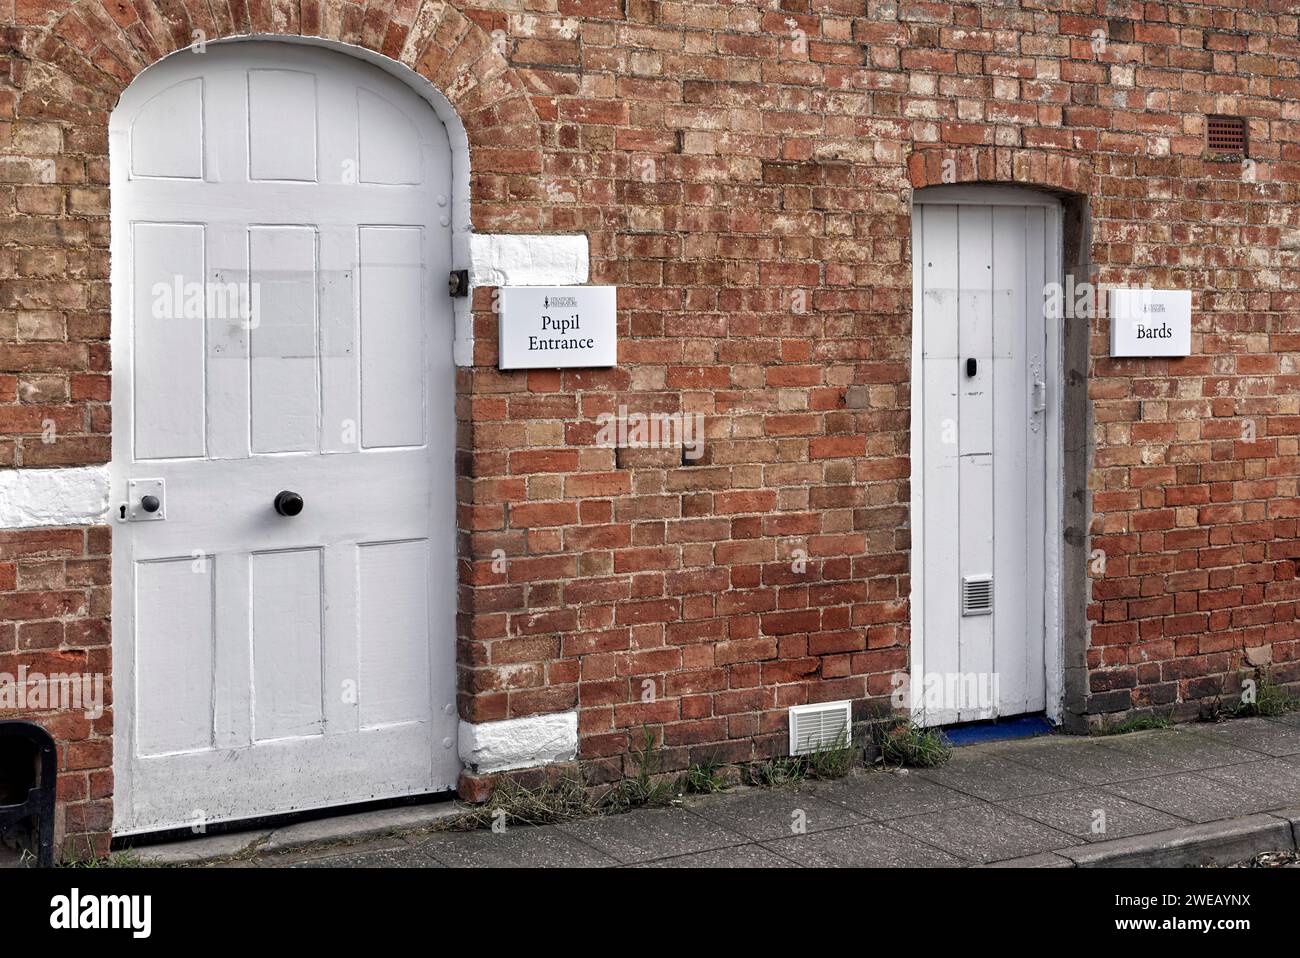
x,y
824,725
976,595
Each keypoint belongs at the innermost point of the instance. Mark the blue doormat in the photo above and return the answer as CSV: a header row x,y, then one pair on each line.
x,y
1022,726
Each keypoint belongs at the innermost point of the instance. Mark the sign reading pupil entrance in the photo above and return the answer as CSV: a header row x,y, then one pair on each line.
x,y
1150,322
553,327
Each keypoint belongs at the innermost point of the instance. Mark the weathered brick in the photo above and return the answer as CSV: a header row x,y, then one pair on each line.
x,y
744,183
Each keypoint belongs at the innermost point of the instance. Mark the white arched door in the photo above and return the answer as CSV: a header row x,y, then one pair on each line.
x,y
280,326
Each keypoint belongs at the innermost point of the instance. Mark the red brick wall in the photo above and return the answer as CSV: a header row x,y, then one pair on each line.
x,y
743,171
54,606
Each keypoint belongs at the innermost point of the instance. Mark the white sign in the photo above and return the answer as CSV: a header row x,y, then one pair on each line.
x,y
1150,322
549,327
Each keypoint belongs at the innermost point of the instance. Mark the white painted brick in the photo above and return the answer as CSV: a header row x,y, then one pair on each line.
x,y
519,743
53,497
514,260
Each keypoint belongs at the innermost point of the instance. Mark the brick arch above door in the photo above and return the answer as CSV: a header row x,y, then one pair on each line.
x,y
990,164
77,57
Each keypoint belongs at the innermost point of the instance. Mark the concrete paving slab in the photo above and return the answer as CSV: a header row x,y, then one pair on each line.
x,y
652,833
1193,796
1255,734
1275,780
1089,762
983,833
523,846
311,853
882,795
1081,812
1178,749
862,846
404,856
738,856
1009,746
992,777
769,814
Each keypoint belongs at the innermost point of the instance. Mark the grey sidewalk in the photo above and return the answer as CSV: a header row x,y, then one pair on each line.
x,y
1185,795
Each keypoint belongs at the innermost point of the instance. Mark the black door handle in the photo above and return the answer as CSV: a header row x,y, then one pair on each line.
x,y
288,503
972,366
150,503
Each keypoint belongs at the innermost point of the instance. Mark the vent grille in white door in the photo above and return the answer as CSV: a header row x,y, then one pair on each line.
x,y
976,594
825,725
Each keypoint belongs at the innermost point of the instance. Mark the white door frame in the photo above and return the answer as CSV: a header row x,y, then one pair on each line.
x,y
1053,656
456,211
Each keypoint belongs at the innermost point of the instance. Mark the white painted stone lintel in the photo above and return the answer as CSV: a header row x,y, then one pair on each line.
x,y
514,259
32,498
519,743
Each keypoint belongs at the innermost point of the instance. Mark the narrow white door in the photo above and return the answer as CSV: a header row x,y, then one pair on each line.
x,y
980,447
281,333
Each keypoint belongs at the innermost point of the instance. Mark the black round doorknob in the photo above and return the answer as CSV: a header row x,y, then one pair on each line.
x,y
150,503
288,503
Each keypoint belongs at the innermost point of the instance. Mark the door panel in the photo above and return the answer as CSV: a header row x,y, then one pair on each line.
x,y
392,371
166,137
283,337
1012,612
288,654
981,276
388,151
975,465
169,384
393,616
941,370
277,327
281,115
174,652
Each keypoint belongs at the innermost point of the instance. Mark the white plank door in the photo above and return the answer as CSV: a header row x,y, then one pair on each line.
x,y
980,455
280,324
